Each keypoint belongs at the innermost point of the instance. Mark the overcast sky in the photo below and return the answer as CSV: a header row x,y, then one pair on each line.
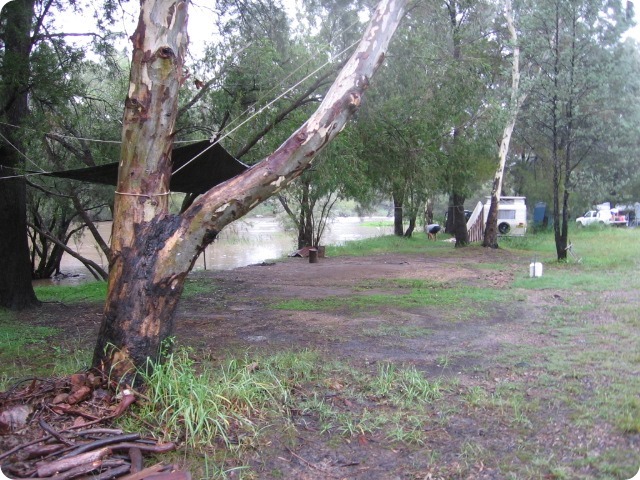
x,y
200,24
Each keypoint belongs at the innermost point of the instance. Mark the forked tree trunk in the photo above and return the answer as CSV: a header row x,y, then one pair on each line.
x,y
152,250
428,212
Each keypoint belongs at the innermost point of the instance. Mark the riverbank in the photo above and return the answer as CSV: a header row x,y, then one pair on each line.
x,y
250,240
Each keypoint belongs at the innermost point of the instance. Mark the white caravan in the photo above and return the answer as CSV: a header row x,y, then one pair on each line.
x,y
512,215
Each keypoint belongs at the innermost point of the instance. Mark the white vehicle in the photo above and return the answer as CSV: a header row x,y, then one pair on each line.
x,y
603,215
512,215
592,216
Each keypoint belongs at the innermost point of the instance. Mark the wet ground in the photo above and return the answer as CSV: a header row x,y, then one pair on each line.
x,y
473,349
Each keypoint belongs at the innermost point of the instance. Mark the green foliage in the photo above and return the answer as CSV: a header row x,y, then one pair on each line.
x,y
577,125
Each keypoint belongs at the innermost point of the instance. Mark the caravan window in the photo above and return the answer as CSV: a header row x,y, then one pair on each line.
x,y
506,214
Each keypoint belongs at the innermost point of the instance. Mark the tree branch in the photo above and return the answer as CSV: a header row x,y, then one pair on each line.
x,y
96,270
298,102
232,199
287,209
92,228
62,35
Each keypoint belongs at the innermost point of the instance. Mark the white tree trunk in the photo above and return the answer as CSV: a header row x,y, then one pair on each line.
x,y
491,228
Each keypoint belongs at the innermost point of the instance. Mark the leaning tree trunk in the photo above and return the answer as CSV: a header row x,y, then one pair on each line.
x,y
491,228
16,290
413,217
153,250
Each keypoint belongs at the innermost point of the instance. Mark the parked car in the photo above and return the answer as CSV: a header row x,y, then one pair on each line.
x,y
602,216
467,215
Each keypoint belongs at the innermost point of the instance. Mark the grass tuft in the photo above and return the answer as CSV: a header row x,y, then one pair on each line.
x,y
202,404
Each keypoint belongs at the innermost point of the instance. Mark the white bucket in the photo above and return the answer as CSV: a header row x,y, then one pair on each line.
x,y
535,269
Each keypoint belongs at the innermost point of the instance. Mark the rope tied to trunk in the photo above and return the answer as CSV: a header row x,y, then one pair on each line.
x,y
142,194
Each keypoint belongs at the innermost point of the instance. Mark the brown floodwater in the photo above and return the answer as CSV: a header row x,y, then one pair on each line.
x,y
245,242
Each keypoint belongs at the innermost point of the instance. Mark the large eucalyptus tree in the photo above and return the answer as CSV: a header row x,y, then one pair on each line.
x,y
153,250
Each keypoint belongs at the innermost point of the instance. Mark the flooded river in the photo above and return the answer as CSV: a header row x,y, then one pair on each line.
x,y
244,242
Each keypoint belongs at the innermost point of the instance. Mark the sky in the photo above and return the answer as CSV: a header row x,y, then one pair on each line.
x,y
201,21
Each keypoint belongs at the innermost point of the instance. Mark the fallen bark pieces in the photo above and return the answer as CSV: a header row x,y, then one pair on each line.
x,y
62,445
95,457
47,469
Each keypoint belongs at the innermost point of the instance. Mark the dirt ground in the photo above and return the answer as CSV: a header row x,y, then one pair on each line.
x,y
474,441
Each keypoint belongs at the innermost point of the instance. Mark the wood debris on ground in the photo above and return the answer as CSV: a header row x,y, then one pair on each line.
x,y
57,429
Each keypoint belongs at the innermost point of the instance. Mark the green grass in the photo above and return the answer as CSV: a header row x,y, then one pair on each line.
x,y
404,387
609,260
92,292
95,292
200,403
577,378
611,248
388,243
405,331
27,351
195,287
443,296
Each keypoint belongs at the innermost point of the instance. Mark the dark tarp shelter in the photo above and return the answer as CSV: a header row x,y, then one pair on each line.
x,y
213,167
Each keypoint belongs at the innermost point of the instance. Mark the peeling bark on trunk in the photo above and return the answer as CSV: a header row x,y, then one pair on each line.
x,y
139,308
152,250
